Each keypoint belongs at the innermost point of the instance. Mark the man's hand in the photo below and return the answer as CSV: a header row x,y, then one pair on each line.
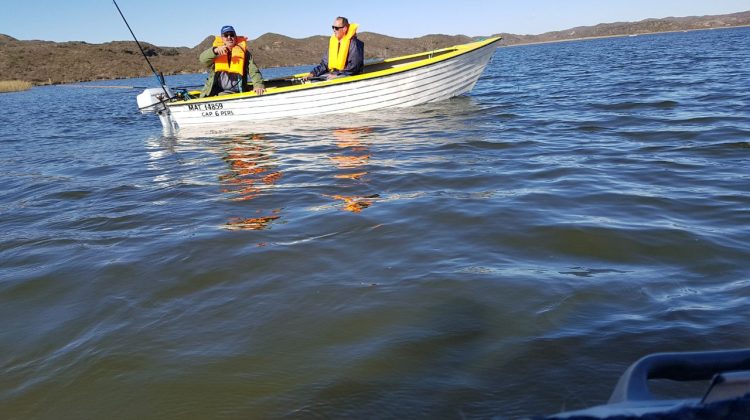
x,y
221,50
259,90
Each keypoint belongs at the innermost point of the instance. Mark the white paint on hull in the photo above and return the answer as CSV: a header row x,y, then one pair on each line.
x,y
434,82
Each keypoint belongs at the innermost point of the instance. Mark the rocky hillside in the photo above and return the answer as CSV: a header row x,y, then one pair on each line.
x,y
68,62
647,26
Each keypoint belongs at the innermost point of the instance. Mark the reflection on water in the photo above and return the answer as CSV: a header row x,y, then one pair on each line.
x,y
356,204
251,172
252,223
351,160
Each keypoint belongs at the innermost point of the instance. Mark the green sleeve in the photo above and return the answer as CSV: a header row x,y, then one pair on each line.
x,y
254,74
207,57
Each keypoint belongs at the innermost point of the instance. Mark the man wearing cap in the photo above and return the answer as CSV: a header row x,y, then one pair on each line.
x,y
230,65
345,55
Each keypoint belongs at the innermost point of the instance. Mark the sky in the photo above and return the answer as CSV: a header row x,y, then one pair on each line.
x,y
178,23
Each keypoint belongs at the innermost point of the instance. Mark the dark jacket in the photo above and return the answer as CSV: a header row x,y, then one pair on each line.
x,y
207,59
355,60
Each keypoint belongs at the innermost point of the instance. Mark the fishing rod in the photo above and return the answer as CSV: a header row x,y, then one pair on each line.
x,y
160,79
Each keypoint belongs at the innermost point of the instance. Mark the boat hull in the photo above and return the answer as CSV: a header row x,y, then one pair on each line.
x,y
435,80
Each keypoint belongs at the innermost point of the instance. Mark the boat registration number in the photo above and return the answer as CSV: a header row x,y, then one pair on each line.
x,y
210,110
205,107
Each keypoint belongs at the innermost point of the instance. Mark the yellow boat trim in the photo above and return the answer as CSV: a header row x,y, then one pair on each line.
x,y
443,54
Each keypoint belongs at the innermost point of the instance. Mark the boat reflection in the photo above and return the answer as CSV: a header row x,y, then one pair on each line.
x,y
252,223
351,160
251,172
327,162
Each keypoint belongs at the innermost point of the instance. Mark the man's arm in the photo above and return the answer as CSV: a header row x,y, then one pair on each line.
x,y
322,67
253,73
207,57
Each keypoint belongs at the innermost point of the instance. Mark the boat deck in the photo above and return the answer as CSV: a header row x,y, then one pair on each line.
x,y
370,68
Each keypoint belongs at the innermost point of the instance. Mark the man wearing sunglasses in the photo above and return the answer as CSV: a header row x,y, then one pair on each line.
x,y
230,65
346,53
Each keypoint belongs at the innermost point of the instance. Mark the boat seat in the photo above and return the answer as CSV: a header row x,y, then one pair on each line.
x,y
728,391
727,385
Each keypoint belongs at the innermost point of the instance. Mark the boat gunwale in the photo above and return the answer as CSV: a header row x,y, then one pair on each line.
x,y
459,50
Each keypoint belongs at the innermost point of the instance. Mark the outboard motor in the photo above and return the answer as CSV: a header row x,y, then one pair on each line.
x,y
153,101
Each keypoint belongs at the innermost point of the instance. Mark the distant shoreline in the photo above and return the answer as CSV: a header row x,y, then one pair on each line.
x,y
515,45
77,62
555,41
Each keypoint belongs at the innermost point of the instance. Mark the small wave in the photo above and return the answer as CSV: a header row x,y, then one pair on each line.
x,y
69,195
661,135
590,272
623,106
591,128
478,144
717,149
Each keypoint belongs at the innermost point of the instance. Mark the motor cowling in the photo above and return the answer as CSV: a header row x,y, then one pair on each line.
x,y
151,100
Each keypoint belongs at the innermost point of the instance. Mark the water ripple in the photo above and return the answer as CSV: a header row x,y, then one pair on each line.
x,y
587,204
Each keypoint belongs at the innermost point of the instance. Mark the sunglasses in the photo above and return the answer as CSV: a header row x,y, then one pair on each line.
x,y
229,35
336,28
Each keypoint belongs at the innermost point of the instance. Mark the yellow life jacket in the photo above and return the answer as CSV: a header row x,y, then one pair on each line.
x,y
339,51
238,57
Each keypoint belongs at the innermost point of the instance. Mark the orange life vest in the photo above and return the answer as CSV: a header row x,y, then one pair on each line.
x,y
339,51
237,65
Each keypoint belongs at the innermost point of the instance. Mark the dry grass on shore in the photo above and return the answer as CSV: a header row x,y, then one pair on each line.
x,y
14,85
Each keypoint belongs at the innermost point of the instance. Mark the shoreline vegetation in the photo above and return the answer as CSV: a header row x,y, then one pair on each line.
x,y
77,61
14,85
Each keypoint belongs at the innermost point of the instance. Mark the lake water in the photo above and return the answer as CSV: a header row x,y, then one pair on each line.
x,y
506,253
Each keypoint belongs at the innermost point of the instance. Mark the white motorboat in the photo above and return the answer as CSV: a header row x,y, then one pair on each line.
x,y
396,82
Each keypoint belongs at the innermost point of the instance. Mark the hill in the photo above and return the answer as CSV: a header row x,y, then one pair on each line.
x,y
68,62
78,61
646,26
